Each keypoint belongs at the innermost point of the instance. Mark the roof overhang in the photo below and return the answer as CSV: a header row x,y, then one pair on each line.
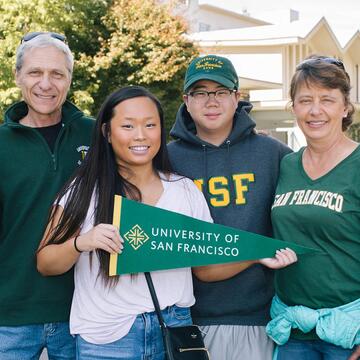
x,y
256,84
353,45
262,42
268,35
219,10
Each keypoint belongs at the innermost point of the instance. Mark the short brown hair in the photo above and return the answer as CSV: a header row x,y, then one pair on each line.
x,y
326,72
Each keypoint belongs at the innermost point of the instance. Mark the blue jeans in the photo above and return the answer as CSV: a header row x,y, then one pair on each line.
x,y
312,350
27,342
144,340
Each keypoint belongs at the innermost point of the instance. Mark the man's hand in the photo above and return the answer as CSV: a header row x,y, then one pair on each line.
x,y
282,258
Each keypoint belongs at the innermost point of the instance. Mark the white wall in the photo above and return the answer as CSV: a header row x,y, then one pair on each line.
x,y
218,21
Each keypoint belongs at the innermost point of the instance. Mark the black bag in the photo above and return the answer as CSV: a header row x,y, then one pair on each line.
x,y
180,343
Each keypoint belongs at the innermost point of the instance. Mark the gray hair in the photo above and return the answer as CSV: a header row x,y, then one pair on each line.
x,y
42,41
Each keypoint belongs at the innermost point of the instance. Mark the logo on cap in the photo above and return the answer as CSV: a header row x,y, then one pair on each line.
x,y
209,63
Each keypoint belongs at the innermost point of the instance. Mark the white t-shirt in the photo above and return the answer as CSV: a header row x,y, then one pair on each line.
x,y
103,314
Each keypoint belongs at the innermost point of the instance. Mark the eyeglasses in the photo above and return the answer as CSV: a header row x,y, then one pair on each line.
x,y
203,96
31,35
328,60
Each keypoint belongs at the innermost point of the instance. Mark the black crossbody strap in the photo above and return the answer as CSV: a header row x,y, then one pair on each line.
x,y
154,299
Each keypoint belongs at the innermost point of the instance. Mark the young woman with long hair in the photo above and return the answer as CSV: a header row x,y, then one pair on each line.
x,y
113,317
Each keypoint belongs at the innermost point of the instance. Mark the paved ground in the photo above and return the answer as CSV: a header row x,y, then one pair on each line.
x,y
44,356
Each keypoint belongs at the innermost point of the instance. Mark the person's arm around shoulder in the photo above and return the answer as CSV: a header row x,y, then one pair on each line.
x,y
56,259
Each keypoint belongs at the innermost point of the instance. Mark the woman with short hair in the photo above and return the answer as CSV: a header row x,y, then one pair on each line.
x,y
317,204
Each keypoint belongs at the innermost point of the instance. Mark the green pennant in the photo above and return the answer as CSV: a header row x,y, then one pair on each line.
x,y
158,239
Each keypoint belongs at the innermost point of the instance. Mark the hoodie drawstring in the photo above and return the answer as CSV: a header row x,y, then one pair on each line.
x,y
228,171
205,164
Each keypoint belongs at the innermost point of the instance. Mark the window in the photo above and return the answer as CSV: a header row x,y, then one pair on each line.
x,y
204,27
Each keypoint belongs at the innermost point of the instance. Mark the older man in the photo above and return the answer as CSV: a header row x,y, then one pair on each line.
x,y
43,139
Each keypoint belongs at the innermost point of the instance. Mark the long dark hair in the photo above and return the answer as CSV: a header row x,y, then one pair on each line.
x,y
100,170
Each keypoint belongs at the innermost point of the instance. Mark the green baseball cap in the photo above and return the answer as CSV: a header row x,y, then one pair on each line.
x,y
211,67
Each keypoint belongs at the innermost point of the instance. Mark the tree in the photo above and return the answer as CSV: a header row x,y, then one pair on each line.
x,y
115,43
354,132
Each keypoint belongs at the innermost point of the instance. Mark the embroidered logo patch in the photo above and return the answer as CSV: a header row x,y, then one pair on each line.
x,y
209,63
82,150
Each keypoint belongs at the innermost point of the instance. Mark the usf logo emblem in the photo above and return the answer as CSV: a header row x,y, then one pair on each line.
x,y
136,236
82,150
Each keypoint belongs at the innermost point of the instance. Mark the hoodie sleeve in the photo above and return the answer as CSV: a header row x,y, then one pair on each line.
x,y
284,150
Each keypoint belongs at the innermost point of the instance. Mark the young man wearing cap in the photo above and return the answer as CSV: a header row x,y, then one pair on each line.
x,y
237,169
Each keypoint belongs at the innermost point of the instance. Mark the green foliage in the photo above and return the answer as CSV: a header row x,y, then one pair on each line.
x,y
354,132
115,43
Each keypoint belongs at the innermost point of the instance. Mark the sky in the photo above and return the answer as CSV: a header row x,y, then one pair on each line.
x,y
343,15
349,8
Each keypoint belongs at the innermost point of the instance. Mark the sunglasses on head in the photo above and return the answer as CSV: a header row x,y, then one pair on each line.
x,y
328,60
31,35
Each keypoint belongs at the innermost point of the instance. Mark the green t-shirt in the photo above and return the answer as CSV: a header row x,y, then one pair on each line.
x,y
323,214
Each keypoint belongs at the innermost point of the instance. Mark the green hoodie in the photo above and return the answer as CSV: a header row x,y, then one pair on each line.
x,y
30,178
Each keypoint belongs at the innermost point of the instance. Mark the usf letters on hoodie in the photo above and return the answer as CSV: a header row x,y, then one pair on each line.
x,y
238,179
